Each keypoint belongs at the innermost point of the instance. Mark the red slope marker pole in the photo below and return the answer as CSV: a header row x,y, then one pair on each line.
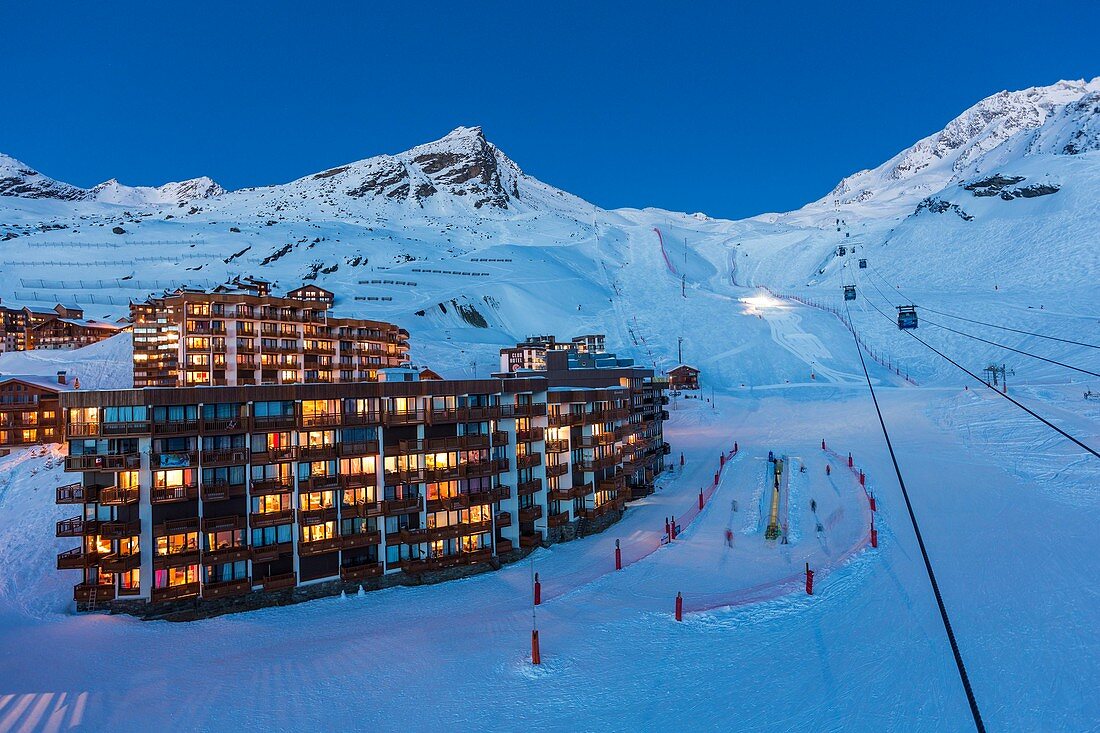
x,y
538,590
809,580
874,532
673,535
536,658
679,607
618,556
700,498
849,459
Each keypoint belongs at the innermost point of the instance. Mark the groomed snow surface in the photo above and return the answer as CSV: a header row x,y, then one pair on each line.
x,y
867,651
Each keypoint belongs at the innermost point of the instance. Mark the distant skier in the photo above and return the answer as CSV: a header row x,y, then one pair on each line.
x,y
729,537
681,459
828,470
813,505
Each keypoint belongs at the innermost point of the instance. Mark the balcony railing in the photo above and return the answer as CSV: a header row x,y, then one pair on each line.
x,y
503,519
319,483
557,469
271,519
531,435
558,520
76,559
119,496
76,527
531,540
311,517
527,410
557,446
227,588
360,539
93,592
361,510
263,487
175,592
119,530
269,553
185,459
139,427
351,573
530,460
173,494
327,420
530,513
359,448
76,493
106,462
317,452
224,457
221,490
275,455
279,582
403,506
220,555
274,422
528,487
370,417
176,427
116,563
357,480
318,547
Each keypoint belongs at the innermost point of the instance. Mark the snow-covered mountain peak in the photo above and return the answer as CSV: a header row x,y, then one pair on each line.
x,y
1059,119
20,180
175,193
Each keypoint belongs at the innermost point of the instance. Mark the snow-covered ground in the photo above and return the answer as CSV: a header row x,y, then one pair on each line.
x,y
1008,508
1014,559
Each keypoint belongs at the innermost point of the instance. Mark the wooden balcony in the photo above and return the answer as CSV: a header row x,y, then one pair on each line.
x,y
531,435
600,464
530,513
352,419
614,414
279,582
235,456
446,561
119,530
118,496
409,417
275,455
615,483
224,523
403,506
465,414
530,460
500,437
185,459
359,540
311,517
221,490
76,527
530,540
504,545
560,494
116,563
330,420
408,536
227,589
606,438
318,547
265,487
176,559
363,510
178,427
76,558
173,494
445,444
271,519
82,430
536,409
558,520
358,448
268,553
319,483
141,427
106,462
566,419
557,469
557,446
529,487
229,554
503,519
358,480
352,573
93,592
175,592
219,426
274,422
582,490
317,452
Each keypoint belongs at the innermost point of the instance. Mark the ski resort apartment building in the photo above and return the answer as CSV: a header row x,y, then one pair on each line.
x,y
30,411
531,352
63,327
206,496
245,335
638,440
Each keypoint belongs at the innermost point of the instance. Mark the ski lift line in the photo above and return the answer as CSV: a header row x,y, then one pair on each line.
x,y
963,676
983,323
1018,351
981,381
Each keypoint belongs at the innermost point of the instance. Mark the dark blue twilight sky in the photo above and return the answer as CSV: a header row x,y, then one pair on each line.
x,y
730,108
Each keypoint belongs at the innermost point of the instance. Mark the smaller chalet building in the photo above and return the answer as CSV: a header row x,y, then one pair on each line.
x,y
683,377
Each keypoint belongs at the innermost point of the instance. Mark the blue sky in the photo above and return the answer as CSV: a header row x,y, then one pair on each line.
x,y
728,108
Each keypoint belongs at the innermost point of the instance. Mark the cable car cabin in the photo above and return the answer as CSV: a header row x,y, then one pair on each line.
x,y
907,316
863,264
849,292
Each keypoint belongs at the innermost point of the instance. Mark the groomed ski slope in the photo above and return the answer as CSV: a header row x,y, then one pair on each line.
x,y
1015,562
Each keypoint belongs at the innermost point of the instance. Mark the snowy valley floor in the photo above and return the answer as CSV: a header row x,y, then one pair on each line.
x,y
1015,555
